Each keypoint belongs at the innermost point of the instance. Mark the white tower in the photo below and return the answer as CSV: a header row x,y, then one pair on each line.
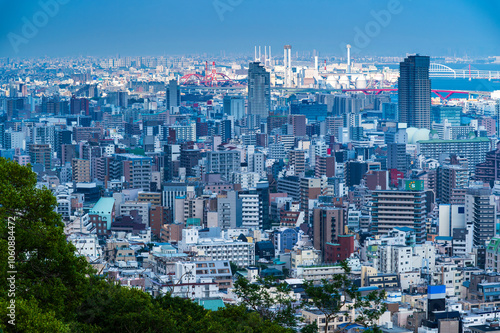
x,y
348,70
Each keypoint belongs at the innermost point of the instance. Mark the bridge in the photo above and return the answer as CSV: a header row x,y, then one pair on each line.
x,y
443,94
443,71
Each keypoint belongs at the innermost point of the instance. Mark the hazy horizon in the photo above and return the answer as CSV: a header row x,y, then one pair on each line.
x,y
132,28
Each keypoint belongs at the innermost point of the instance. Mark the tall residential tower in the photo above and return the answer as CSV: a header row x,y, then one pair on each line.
x,y
259,90
415,92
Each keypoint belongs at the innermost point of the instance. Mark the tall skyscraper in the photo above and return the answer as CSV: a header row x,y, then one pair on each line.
x,y
259,90
173,94
415,92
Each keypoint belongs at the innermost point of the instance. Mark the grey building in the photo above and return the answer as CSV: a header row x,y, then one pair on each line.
x,y
474,150
229,210
399,208
234,106
259,90
414,92
290,185
224,162
396,157
173,94
481,211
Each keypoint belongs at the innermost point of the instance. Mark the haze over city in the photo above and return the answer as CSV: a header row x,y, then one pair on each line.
x,y
141,28
224,166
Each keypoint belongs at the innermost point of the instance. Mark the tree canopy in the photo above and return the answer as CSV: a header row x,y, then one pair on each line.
x,y
58,291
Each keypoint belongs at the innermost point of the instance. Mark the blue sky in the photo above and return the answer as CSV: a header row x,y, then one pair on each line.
x,y
157,27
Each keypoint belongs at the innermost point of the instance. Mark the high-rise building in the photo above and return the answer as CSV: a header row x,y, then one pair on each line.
x,y
396,157
324,166
399,208
226,130
452,181
81,170
298,122
311,188
234,106
173,95
229,210
79,106
414,94
41,154
480,209
224,162
259,90
297,159
189,159
489,170
136,170
328,224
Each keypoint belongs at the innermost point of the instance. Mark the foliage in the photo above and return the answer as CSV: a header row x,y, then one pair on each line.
x,y
339,296
234,267
48,270
269,298
57,291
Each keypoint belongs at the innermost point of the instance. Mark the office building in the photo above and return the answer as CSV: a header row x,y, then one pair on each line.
x,y
234,106
451,113
328,224
452,181
41,154
399,208
224,162
259,90
396,157
414,92
474,150
173,94
480,209
297,161
81,170
324,166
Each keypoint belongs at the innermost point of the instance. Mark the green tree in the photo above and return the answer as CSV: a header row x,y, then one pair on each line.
x,y
234,267
269,298
337,297
48,271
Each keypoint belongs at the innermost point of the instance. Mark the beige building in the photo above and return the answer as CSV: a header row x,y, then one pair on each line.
x,y
305,257
317,273
186,208
153,197
81,170
316,316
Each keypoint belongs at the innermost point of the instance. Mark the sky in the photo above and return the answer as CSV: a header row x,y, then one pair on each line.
x,y
61,28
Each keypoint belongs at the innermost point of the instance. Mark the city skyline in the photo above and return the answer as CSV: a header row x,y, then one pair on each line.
x,y
393,27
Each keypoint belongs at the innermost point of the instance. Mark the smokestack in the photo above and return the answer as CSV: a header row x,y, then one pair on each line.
x,y
260,59
285,83
265,55
270,59
255,57
348,70
290,65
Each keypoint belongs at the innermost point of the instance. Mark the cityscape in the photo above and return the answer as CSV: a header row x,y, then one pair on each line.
x,y
249,187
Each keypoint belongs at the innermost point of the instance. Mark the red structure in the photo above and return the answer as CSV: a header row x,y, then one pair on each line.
x,y
211,79
336,252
